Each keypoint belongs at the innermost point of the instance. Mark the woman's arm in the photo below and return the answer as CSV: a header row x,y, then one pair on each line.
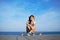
x,y
28,25
33,28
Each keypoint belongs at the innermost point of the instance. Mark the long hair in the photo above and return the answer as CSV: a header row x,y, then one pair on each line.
x,y
30,19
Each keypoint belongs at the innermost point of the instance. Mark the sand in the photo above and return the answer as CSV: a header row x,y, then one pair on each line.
x,y
37,37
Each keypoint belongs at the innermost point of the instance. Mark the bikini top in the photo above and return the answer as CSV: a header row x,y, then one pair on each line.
x,y
32,23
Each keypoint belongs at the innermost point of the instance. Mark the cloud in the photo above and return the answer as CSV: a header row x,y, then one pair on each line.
x,y
14,15
12,25
48,21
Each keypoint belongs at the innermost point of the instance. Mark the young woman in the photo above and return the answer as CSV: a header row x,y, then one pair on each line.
x,y
30,25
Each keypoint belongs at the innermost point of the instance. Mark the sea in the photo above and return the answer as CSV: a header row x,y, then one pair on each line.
x,y
25,34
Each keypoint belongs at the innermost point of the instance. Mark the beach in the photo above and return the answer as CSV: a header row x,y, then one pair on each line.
x,y
37,37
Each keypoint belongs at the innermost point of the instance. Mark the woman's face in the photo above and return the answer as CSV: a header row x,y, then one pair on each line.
x,y
32,18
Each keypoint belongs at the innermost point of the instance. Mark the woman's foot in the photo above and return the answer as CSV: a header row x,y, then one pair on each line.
x,y
33,34
28,34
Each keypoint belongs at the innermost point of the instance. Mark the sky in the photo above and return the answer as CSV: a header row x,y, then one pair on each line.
x,y
15,13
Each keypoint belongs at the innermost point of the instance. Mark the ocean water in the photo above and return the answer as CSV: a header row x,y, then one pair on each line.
x,y
25,34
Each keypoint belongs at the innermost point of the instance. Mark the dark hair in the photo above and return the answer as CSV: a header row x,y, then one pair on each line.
x,y
29,18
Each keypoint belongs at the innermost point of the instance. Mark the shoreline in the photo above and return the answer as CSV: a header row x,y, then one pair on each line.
x,y
37,37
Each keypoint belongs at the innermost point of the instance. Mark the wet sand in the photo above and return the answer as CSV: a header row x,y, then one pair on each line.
x,y
39,37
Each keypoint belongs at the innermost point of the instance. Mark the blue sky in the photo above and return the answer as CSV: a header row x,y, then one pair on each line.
x,y
15,13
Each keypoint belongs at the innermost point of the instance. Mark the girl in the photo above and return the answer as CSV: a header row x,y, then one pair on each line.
x,y
30,25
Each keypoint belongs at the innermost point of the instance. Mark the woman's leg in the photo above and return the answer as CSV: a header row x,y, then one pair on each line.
x,y
32,31
28,31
